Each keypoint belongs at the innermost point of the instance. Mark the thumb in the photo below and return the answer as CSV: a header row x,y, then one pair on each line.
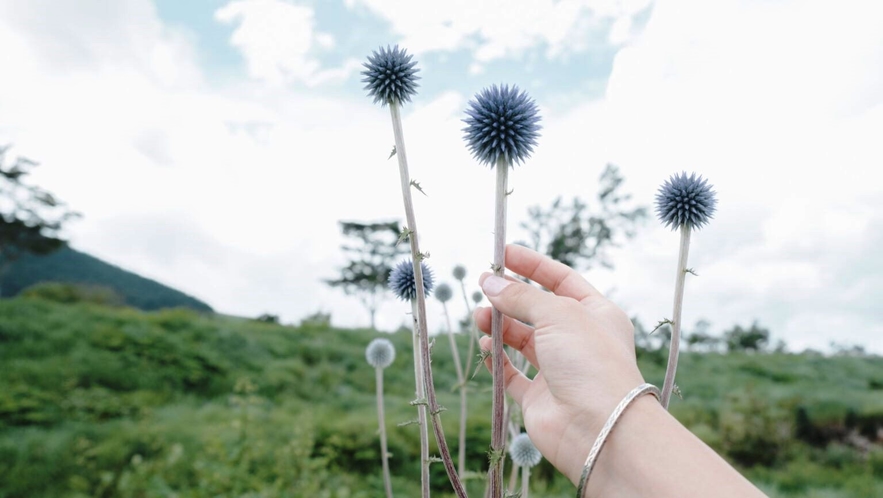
x,y
525,302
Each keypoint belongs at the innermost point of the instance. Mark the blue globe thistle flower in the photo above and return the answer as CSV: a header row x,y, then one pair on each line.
x,y
459,272
685,201
477,296
391,76
443,293
523,452
380,353
402,284
502,122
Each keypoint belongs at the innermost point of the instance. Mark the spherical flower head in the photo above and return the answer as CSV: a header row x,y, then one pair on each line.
x,y
477,296
402,284
390,76
380,353
459,272
685,201
443,293
523,452
502,122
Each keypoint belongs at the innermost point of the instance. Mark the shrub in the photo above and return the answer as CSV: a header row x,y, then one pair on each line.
x,y
74,293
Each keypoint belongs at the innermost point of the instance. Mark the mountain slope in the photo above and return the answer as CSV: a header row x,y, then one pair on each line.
x,y
71,266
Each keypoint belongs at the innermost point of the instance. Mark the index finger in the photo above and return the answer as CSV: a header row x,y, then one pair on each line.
x,y
561,279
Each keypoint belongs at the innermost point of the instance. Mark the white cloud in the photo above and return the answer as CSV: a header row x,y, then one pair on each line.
x,y
773,103
496,29
234,194
279,42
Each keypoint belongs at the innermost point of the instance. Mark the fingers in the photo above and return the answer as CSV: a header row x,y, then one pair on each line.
x,y
516,334
553,275
516,382
525,302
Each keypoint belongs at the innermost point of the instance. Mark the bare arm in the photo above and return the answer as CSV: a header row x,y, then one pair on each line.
x,y
583,348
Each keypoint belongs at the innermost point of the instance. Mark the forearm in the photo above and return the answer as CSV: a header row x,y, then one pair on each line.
x,y
650,454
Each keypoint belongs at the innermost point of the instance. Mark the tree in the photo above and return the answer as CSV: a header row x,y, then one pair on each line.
x,y
31,218
702,338
754,338
578,237
371,256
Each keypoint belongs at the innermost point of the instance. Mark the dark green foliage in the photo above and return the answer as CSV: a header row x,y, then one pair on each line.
x,y
67,265
114,402
579,237
753,431
754,338
30,217
268,318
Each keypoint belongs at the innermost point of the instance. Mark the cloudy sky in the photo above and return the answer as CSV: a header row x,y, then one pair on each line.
x,y
213,145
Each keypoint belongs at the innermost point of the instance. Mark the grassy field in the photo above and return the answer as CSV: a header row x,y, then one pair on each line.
x,y
112,402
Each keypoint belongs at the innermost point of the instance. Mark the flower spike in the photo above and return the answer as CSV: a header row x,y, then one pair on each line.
x,y
402,284
502,122
390,76
380,353
685,200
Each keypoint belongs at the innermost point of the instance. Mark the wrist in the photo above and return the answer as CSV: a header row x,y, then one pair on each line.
x,y
640,416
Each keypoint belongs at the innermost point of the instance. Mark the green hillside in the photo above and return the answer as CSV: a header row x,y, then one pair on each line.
x,y
70,266
115,402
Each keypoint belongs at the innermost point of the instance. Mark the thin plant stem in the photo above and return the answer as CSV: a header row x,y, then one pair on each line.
x,y
420,391
525,481
387,482
497,430
513,478
417,256
461,455
454,351
461,380
473,336
674,344
466,298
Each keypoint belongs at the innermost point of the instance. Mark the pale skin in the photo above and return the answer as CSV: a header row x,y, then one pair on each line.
x,y
582,346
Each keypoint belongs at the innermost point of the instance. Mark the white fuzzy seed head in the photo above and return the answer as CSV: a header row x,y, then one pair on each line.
x,y
380,353
523,452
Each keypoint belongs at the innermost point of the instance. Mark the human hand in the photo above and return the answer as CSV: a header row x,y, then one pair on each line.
x,y
581,344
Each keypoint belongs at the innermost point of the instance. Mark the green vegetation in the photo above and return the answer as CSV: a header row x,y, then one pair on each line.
x,y
67,265
101,401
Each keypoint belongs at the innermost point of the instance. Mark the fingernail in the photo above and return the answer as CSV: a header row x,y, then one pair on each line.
x,y
494,285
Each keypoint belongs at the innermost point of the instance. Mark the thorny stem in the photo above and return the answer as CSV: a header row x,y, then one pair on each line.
x,y
434,408
681,276
387,483
497,435
420,391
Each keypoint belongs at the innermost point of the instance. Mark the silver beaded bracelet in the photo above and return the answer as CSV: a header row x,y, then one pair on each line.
x,y
605,431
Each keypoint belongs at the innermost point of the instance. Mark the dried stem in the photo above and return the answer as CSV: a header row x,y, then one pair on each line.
x,y
674,344
461,380
387,482
454,349
497,429
525,481
420,392
473,340
434,408
513,478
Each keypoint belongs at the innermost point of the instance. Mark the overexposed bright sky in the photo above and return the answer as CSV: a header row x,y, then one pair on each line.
x,y
214,145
